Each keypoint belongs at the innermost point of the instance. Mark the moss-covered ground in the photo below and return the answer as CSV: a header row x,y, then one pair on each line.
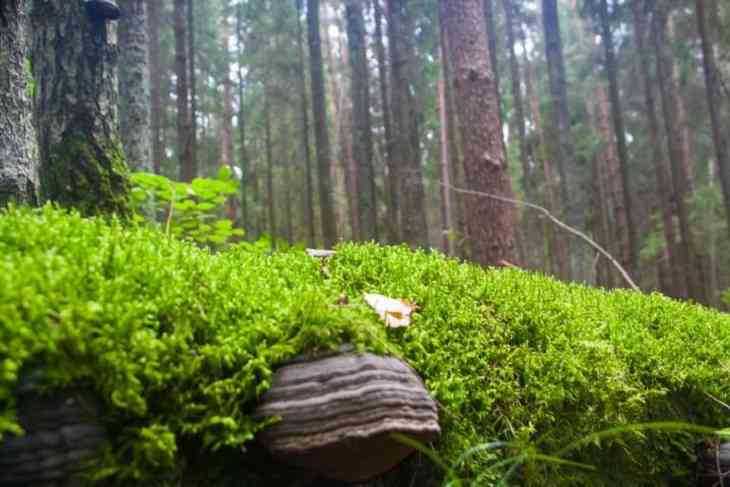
x,y
179,342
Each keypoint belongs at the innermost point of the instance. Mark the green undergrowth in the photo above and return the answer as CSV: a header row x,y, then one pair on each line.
x,y
180,342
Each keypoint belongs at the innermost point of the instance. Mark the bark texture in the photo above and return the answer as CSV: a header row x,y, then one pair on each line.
x,y
491,223
329,228
362,142
184,142
405,143
134,97
74,64
155,65
18,142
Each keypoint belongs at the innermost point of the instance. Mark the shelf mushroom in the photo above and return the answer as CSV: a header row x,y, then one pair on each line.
x,y
338,412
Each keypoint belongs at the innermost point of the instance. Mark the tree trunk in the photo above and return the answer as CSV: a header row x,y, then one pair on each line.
x,y
269,168
412,201
329,230
678,179
574,205
491,223
446,192
227,122
620,139
309,190
392,226
184,146
712,89
491,25
193,86
74,66
674,278
18,142
243,155
134,113
362,142
155,71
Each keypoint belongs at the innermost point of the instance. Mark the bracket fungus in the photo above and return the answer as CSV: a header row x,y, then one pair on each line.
x,y
338,412
102,9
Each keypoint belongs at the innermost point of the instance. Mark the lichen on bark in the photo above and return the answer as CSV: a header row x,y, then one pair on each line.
x,y
74,64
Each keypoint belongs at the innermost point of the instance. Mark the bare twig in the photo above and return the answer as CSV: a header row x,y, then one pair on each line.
x,y
557,222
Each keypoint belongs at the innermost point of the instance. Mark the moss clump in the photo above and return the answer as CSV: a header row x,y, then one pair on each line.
x,y
180,342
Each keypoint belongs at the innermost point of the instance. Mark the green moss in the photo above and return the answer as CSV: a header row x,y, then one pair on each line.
x,y
90,176
180,342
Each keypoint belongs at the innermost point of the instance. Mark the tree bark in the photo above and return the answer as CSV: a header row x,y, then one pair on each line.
x,y
447,195
155,71
74,66
243,154
674,279
270,203
712,90
188,170
134,97
392,226
309,190
18,141
412,201
491,25
362,142
329,229
491,223
574,205
632,262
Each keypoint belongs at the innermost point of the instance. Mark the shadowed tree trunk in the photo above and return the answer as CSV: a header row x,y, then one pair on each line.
x,y
243,154
134,113
362,142
270,202
412,202
392,226
491,223
674,278
620,138
712,89
74,66
447,196
155,65
329,229
309,191
193,85
573,203
491,23
184,144
18,142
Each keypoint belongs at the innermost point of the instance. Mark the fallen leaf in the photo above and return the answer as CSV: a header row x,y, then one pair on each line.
x,y
320,253
395,312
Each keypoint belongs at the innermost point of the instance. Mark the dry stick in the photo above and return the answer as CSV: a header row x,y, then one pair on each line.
x,y
554,219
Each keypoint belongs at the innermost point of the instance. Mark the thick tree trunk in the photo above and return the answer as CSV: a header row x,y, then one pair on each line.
x,y
573,203
412,201
309,191
712,89
18,141
678,176
134,99
74,66
491,23
329,229
392,226
673,278
491,223
155,65
184,144
632,262
362,142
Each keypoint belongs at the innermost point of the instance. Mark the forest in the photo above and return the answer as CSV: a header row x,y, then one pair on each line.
x,y
197,197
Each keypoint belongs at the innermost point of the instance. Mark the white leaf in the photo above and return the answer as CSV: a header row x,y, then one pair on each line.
x,y
395,312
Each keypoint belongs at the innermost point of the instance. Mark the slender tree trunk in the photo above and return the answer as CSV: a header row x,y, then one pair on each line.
x,y
674,278
412,201
679,181
362,142
193,85
712,89
18,141
134,112
74,66
243,155
270,201
155,64
392,225
329,230
491,223
446,193
227,122
184,146
620,138
573,204
309,190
